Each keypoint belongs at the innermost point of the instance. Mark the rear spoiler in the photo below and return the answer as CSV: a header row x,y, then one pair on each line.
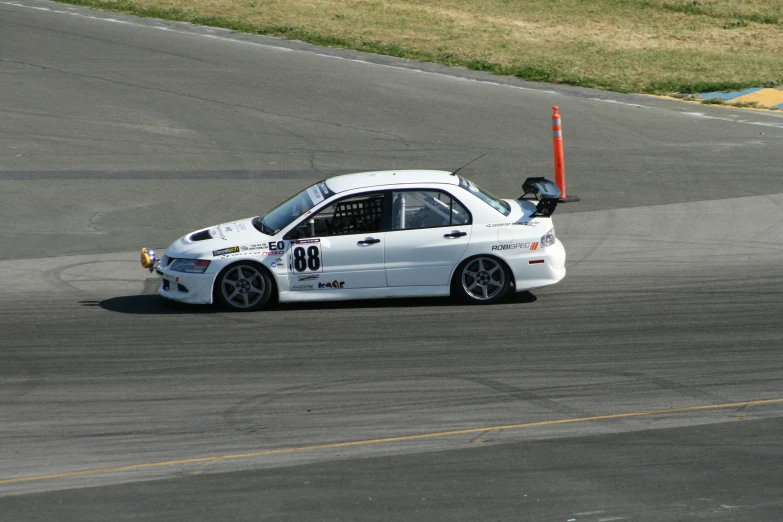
x,y
545,191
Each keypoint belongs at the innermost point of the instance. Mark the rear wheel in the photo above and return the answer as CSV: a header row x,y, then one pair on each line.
x,y
243,287
482,280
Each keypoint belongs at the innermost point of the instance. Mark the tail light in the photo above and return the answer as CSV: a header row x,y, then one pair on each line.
x,y
548,239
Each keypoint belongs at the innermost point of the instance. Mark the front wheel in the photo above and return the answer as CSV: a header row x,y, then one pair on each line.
x,y
482,280
243,287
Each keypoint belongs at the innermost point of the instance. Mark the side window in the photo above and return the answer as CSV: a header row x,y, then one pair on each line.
x,y
354,215
413,209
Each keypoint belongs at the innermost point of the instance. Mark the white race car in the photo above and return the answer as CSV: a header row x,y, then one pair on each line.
x,y
372,235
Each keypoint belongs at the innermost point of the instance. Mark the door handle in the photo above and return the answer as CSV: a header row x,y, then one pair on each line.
x,y
454,235
368,242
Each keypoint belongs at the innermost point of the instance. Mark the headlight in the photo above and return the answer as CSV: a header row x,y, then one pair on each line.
x,y
548,239
191,266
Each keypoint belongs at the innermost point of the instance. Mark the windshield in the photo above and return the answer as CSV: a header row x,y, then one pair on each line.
x,y
491,200
282,215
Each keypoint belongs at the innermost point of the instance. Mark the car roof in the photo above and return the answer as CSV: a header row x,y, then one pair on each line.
x,y
389,177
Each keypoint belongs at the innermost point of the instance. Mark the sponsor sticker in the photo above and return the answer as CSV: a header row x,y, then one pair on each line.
x,y
224,251
259,246
333,284
305,241
302,287
514,246
324,189
315,195
273,248
216,232
309,277
518,223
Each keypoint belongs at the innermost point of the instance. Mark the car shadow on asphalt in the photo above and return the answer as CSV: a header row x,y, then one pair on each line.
x,y
149,304
152,304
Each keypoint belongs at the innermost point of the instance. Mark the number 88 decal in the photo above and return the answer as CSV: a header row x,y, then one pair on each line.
x,y
307,259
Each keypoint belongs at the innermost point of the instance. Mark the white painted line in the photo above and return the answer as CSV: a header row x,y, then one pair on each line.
x,y
617,102
732,120
27,6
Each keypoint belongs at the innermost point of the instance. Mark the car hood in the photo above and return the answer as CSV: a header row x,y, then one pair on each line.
x,y
227,238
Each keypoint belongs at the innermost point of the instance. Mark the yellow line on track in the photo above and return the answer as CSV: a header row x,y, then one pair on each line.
x,y
216,458
764,97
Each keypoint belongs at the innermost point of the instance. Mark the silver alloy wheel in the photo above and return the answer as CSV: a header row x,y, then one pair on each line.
x,y
243,286
483,278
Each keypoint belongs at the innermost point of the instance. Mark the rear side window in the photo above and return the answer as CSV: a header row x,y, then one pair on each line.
x,y
412,209
487,197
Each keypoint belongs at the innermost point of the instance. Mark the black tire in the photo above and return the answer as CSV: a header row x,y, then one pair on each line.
x,y
481,280
243,287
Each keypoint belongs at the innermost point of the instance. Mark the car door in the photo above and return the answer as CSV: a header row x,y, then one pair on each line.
x,y
430,231
340,247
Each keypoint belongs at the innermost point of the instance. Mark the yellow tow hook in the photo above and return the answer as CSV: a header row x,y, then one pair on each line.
x,y
148,260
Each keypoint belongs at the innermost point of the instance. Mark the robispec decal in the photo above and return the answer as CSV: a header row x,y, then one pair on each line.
x,y
333,284
306,241
224,251
302,287
514,246
309,277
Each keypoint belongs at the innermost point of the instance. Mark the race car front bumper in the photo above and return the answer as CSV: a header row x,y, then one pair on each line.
x,y
184,287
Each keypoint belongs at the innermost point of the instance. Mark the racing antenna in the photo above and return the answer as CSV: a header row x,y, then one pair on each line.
x,y
466,164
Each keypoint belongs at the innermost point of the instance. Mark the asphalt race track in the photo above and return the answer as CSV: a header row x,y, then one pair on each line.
x,y
648,385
